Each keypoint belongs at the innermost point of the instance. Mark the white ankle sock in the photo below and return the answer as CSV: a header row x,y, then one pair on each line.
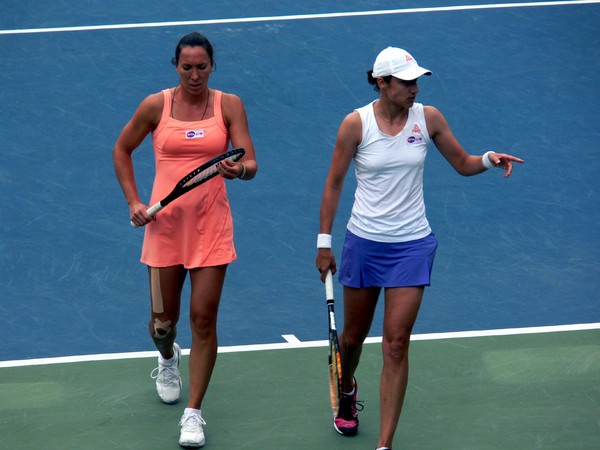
x,y
187,411
168,362
351,393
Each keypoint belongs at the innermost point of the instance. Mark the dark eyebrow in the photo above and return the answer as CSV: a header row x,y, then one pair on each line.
x,y
407,82
201,65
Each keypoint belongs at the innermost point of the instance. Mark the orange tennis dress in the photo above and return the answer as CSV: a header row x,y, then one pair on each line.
x,y
195,230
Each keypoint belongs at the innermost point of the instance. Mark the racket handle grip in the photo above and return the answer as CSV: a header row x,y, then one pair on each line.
x,y
151,211
154,209
329,285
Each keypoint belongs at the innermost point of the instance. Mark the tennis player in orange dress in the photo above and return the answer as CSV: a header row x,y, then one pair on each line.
x,y
190,124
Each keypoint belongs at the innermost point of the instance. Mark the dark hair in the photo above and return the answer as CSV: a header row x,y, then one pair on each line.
x,y
193,39
373,81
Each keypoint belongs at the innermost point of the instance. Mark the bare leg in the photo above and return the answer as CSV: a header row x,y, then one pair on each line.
x,y
401,309
207,285
359,308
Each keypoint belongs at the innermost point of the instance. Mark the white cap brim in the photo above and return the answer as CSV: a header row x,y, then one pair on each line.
x,y
412,73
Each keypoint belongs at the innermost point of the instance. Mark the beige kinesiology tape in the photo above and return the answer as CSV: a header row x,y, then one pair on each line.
x,y
155,292
161,329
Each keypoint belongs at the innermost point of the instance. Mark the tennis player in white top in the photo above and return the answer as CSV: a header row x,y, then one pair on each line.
x,y
389,244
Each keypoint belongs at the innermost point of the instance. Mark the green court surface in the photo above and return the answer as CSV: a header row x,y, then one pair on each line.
x,y
528,391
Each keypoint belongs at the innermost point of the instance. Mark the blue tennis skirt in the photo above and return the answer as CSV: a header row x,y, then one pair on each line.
x,y
367,263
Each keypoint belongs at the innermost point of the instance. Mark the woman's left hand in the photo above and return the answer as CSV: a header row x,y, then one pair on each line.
x,y
504,161
230,170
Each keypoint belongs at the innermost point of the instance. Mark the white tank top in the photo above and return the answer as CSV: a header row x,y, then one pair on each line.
x,y
388,202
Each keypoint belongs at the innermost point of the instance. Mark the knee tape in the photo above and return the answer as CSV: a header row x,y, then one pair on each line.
x,y
155,292
161,329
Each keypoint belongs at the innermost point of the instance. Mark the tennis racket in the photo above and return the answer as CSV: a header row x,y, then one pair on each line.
x,y
335,360
194,179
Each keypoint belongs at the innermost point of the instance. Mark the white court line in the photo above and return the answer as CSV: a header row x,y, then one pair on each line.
x,y
293,343
300,17
290,338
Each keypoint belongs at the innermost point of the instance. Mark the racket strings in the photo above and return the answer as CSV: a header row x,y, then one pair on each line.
x,y
193,178
199,177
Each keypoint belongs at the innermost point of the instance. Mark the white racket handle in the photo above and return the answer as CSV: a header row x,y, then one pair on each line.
x,y
154,209
329,285
151,211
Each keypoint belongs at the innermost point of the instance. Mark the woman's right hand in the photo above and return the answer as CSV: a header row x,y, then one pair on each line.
x,y
138,214
325,261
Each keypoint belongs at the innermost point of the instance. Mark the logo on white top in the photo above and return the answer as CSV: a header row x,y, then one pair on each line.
x,y
419,135
194,134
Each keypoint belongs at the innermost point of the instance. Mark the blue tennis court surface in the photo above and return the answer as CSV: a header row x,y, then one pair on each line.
x,y
521,252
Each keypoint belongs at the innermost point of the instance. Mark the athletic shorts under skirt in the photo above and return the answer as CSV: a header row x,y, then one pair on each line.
x,y
367,263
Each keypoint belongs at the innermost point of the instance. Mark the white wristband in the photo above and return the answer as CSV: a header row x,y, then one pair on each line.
x,y
485,160
323,241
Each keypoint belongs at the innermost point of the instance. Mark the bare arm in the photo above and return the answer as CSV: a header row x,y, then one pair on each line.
x,y
348,138
139,126
455,154
236,120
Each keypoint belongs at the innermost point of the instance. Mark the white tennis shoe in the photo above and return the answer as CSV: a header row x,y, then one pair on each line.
x,y
168,378
192,433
